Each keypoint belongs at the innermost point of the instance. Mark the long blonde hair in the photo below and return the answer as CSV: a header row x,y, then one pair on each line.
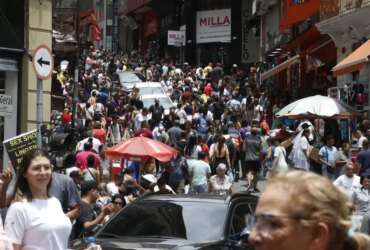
x,y
316,200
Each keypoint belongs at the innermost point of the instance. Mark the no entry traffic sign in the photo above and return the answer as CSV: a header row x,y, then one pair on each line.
x,y
43,62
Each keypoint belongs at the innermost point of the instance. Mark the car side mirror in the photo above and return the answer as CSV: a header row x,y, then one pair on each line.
x,y
244,235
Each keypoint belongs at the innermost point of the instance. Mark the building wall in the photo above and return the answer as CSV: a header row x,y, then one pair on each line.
x,y
38,30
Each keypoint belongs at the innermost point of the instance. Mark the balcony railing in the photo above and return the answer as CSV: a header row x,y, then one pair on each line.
x,y
347,6
332,8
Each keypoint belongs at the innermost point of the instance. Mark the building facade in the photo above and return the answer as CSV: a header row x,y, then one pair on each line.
x,y
347,23
25,24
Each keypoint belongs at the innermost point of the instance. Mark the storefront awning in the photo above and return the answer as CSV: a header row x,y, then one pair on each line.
x,y
355,61
280,67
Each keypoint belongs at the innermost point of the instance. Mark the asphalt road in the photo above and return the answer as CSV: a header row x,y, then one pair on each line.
x,y
240,186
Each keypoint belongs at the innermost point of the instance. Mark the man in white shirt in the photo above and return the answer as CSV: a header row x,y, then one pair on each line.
x,y
144,115
349,181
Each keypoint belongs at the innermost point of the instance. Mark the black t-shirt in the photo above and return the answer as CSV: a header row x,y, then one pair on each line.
x,y
157,112
87,213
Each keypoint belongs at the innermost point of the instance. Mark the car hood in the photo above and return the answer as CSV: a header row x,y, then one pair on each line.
x,y
128,243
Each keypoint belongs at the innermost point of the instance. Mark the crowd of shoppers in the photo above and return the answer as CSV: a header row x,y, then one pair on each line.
x,y
222,127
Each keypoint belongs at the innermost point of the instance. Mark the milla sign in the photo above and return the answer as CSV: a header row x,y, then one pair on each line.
x,y
214,26
176,38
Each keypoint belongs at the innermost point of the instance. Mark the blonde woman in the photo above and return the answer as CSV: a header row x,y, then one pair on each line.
x,y
305,211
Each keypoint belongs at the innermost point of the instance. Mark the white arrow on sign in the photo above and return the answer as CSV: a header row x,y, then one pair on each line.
x,y
43,62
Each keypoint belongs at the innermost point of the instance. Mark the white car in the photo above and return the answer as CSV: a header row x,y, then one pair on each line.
x,y
151,88
128,79
164,100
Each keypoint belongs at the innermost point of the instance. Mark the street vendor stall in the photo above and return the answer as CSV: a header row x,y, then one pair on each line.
x,y
317,107
140,149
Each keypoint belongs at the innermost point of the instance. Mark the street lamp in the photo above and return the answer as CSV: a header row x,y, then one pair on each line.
x,y
76,73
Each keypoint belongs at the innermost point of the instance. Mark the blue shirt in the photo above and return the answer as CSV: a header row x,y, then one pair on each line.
x,y
364,159
135,169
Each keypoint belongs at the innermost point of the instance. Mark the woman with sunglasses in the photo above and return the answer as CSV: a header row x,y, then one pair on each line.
x,y
36,220
301,210
118,202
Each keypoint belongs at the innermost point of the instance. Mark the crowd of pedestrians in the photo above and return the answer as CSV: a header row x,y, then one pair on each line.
x,y
222,127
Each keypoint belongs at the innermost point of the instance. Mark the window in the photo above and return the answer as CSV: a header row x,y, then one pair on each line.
x,y
242,216
195,221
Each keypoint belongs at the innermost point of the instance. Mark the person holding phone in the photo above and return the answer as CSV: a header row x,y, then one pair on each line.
x,y
36,220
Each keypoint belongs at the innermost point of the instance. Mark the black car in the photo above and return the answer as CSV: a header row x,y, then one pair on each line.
x,y
179,222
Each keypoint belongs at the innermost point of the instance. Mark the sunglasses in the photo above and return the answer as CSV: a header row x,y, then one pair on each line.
x,y
117,203
268,223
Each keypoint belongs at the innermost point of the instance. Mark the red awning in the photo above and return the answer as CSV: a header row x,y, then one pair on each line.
x,y
304,40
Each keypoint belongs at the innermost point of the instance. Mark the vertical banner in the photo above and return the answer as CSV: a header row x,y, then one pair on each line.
x,y
19,145
249,41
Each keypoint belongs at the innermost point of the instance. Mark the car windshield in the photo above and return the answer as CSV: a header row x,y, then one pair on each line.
x,y
130,77
164,101
170,219
151,91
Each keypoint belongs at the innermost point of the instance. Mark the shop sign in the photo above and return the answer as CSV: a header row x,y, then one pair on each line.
x,y
6,105
20,145
214,26
176,38
294,11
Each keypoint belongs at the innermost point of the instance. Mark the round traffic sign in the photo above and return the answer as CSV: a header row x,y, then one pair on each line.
x,y
43,62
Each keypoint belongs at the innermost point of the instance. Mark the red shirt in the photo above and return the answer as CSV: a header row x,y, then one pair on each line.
x,y
81,159
66,117
144,132
208,89
100,134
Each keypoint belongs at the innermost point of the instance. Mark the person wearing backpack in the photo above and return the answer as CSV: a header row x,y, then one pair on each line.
x,y
327,155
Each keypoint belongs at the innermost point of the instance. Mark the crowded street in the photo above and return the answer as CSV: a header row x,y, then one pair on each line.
x,y
184,124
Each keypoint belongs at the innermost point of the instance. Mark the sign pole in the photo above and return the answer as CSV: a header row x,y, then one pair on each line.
x,y
43,63
39,114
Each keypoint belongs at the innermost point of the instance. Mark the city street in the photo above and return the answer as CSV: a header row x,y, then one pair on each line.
x,y
120,121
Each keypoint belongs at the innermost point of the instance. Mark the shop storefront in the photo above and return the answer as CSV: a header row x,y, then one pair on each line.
x,y
213,36
9,72
11,54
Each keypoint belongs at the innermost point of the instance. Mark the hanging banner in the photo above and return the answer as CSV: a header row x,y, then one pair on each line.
x,y
249,40
19,145
214,26
295,11
176,38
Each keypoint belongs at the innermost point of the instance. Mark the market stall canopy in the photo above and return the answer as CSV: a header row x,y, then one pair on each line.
x,y
317,106
355,61
140,149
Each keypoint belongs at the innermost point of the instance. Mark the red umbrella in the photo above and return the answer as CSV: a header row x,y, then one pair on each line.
x,y
140,149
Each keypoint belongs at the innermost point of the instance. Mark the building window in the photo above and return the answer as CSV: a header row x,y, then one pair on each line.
x,y
2,82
